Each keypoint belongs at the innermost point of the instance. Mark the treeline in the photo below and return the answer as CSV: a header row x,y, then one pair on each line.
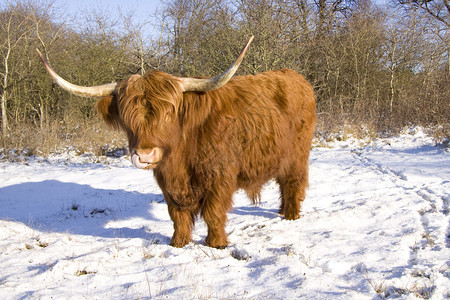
x,y
381,67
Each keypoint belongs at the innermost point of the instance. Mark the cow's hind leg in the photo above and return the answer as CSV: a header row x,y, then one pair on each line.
x,y
293,189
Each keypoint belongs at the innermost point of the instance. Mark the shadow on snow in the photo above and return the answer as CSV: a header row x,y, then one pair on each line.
x,y
56,206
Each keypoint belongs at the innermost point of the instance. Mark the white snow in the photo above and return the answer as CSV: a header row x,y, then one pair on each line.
x,y
375,223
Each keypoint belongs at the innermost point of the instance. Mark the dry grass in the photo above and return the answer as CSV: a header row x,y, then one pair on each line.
x,y
90,135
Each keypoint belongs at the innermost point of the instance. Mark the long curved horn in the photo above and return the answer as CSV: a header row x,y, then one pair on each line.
x,y
85,91
201,85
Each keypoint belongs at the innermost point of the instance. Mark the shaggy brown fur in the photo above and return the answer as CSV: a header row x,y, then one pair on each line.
x,y
236,137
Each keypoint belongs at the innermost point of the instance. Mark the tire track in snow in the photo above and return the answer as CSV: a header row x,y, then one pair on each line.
x,y
438,203
432,216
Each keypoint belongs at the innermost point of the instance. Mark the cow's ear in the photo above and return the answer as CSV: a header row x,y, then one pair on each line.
x,y
107,109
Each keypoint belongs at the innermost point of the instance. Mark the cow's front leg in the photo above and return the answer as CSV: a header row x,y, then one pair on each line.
x,y
214,212
183,223
217,238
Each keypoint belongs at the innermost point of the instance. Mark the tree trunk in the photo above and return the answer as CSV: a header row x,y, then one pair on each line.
x,y
4,95
4,117
391,85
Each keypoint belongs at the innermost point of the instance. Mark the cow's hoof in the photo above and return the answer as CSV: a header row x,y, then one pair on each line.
x,y
216,243
179,242
291,216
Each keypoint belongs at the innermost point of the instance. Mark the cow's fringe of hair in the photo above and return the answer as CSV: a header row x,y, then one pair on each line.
x,y
144,102
158,95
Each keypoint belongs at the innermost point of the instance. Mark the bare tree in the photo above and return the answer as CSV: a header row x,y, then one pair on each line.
x,y
190,26
14,27
46,34
438,9
138,45
145,51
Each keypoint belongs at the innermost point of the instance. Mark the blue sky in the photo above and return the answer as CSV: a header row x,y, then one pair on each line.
x,y
143,9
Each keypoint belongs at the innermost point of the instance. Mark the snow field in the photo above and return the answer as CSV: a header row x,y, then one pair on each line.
x,y
375,223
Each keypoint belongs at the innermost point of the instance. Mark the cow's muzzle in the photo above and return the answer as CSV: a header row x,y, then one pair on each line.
x,y
146,159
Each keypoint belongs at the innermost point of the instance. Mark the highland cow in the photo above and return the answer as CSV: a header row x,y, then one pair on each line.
x,y
207,138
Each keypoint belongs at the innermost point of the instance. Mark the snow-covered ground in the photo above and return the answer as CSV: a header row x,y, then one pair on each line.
x,y
375,224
